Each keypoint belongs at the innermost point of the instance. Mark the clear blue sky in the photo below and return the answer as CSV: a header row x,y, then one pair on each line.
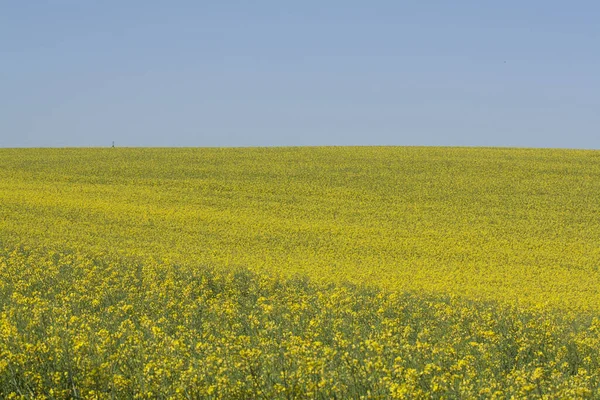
x,y
328,72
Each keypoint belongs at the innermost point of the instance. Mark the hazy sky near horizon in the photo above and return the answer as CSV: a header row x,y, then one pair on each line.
x,y
276,73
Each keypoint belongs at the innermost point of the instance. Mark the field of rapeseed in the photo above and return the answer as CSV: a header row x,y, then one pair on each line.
x,y
368,272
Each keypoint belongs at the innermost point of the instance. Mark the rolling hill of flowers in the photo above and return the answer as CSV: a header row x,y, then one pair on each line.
x,y
326,272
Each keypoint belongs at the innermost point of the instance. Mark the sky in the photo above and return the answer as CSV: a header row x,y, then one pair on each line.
x,y
511,73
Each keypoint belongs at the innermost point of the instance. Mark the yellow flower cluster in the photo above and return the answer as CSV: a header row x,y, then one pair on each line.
x,y
71,326
349,272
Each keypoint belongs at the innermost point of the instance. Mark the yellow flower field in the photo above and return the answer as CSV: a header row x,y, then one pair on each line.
x,y
332,272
